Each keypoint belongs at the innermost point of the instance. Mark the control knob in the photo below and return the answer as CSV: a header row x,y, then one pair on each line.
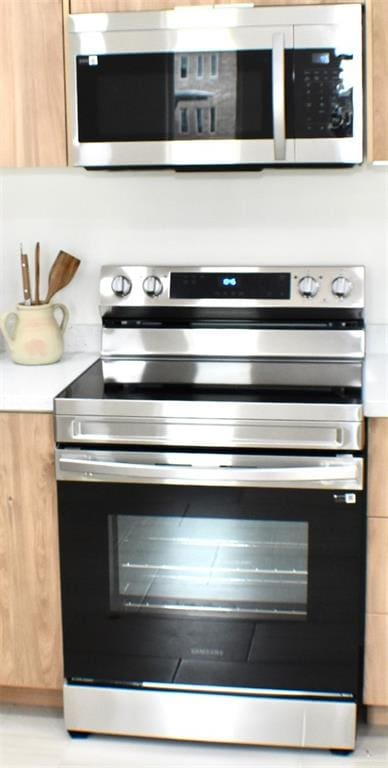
x,y
341,287
308,286
121,285
152,285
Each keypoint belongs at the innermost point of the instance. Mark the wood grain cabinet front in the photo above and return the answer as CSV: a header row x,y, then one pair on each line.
x,y
30,622
32,84
107,6
377,80
376,631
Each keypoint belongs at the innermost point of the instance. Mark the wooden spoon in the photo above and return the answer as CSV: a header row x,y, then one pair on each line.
x,y
61,272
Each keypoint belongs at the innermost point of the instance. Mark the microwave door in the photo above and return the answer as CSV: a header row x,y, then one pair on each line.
x,y
203,104
243,111
327,111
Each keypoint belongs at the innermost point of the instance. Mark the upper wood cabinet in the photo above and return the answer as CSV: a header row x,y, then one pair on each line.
x,y
105,6
30,620
32,88
377,79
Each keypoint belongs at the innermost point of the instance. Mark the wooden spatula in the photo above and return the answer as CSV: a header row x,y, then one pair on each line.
x,y
61,272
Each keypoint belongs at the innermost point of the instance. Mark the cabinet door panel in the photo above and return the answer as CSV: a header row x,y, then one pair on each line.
x,y
378,79
376,643
377,578
32,88
105,6
30,625
376,660
378,467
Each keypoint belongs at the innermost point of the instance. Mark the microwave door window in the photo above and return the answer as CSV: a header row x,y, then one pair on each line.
x,y
205,95
223,95
125,97
254,95
175,96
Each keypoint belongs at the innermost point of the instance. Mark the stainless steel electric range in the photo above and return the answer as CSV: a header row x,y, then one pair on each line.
x,y
211,497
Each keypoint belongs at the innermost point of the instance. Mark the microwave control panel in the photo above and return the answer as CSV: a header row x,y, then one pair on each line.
x,y
323,94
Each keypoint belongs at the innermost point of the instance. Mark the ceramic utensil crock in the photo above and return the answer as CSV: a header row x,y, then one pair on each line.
x,y
33,334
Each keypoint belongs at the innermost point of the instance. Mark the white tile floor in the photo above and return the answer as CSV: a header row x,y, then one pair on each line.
x,y
36,738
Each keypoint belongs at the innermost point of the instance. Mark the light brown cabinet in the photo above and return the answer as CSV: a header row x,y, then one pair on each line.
x,y
106,6
376,634
32,87
30,623
377,80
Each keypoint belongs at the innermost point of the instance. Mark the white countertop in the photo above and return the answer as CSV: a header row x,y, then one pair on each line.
x,y
33,387
376,385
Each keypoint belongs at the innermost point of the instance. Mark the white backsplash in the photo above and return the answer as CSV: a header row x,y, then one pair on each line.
x,y
275,217
83,338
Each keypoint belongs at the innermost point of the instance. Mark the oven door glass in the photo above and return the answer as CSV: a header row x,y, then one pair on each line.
x,y
168,584
195,566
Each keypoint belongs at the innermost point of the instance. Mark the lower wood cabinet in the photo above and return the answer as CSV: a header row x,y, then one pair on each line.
x,y
30,624
376,674
376,634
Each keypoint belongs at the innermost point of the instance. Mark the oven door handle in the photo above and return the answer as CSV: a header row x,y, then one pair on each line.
x,y
337,473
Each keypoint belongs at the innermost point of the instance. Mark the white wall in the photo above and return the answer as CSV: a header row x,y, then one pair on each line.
x,y
273,217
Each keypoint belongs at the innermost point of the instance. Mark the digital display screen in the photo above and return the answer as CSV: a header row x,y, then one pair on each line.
x,y
237,285
321,58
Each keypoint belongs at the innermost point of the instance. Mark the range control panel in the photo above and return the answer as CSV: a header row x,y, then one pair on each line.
x,y
140,286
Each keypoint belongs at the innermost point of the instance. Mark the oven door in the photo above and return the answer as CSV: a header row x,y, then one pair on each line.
x,y
212,571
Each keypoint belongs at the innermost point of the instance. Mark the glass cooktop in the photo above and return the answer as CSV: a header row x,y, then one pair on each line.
x,y
91,385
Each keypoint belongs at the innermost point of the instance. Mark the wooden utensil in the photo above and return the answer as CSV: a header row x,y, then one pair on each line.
x,y
25,277
61,272
37,274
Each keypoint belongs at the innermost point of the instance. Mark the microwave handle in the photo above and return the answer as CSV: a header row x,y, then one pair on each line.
x,y
278,96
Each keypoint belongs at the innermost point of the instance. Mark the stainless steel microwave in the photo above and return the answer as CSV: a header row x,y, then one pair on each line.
x,y
216,87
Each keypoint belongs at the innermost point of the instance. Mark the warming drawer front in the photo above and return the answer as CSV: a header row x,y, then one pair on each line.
x,y
272,434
